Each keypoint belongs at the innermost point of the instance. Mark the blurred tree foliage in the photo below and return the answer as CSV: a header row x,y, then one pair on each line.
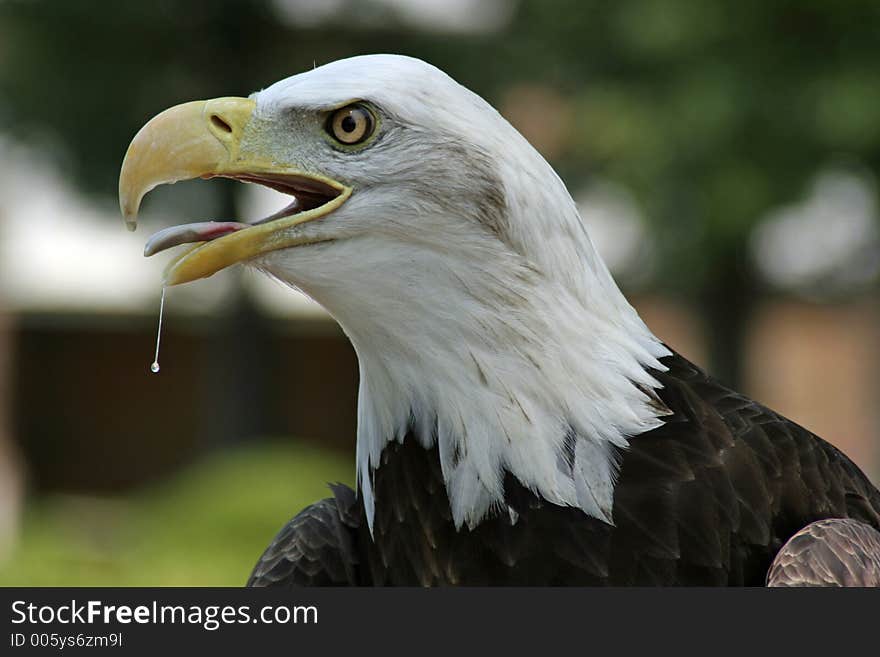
x,y
711,112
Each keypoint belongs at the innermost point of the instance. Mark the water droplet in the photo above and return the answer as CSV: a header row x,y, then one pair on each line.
x,y
154,368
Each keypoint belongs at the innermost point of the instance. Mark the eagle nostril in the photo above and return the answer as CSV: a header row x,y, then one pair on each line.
x,y
220,123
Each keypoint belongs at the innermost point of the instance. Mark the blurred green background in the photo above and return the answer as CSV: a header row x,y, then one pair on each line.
x,y
724,155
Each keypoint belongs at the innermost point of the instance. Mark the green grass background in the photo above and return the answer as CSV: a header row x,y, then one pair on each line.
x,y
205,526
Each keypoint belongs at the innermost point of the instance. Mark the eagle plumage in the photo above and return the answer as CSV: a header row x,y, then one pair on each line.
x,y
708,498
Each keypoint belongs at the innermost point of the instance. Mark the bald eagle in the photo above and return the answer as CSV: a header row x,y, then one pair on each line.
x,y
518,423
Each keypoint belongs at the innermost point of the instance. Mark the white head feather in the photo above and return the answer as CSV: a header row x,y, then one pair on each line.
x,y
482,317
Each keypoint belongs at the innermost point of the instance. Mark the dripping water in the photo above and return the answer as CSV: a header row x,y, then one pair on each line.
x,y
154,368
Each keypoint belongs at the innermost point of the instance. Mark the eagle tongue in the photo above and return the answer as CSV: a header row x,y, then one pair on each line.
x,y
202,231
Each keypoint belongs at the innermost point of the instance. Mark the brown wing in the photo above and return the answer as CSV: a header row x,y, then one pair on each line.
x,y
316,548
836,552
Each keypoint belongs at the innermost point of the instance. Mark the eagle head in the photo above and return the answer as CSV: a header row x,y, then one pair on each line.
x,y
452,256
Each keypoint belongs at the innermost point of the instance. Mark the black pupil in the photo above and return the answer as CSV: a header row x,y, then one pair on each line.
x,y
348,124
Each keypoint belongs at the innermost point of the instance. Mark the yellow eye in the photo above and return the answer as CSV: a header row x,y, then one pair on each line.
x,y
351,125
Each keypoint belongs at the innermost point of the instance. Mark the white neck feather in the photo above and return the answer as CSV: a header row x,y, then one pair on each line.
x,y
514,355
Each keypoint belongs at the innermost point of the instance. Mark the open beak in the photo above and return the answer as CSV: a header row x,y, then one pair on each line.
x,y
203,139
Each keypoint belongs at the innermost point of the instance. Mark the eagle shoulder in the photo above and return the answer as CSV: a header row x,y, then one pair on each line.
x,y
725,482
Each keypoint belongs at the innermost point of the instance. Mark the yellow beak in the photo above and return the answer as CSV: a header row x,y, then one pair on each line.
x,y
203,139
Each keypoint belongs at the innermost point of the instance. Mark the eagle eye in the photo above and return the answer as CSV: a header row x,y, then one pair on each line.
x,y
351,125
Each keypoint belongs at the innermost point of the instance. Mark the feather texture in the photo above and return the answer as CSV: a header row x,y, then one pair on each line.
x,y
835,552
708,498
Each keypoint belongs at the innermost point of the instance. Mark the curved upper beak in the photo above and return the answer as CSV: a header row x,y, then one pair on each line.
x,y
203,139
192,140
